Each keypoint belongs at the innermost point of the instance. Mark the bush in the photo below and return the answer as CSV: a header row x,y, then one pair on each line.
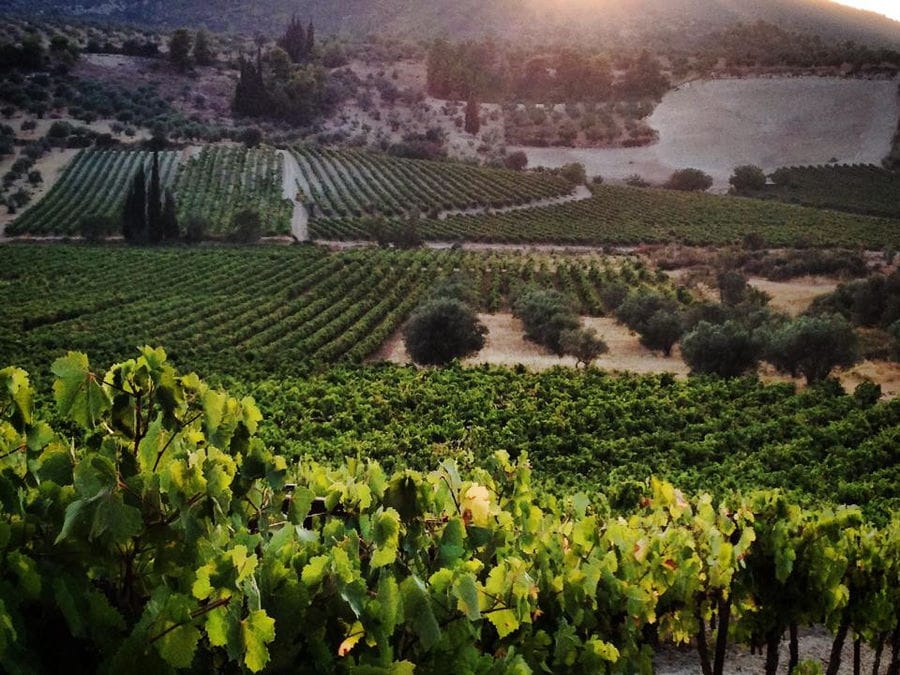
x,y
812,346
517,161
246,227
574,173
441,330
634,180
689,180
94,227
640,305
251,137
733,287
546,314
748,178
661,331
195,229
582,343
727,350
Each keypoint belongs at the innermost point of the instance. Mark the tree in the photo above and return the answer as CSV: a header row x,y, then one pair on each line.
x,y
154,204
574,173
747,178
727,350
546,314
441,330
689,180
134,215
180,48
584,344
203,51
246,227
473,121
517,161
170,230
733,287
94,227
250,95
661,331
812,346
251,137
294,41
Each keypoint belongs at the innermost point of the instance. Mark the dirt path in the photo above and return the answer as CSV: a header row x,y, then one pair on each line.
x,y
341,245
294,181
581,193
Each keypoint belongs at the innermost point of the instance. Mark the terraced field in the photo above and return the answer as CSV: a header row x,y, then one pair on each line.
x,y
255,311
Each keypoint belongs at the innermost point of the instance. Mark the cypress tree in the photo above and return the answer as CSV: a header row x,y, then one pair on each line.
x,y
134,216
295,41
310,40
250,96
154,205
170,230
473,122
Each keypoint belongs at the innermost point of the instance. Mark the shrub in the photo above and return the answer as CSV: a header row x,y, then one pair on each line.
x,y
689,180
661,331
251,137
812,346
546,314
640,305
516,161
727,350
748,178
634,180
246,227
582,343
733,287
441,330
94,227
195,229
574,173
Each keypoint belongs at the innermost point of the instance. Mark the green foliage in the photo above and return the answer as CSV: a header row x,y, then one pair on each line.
x,y
871,302
180,44
689,180
546,315
661,331
733,287
728,349
246,227
441,330
812,346
167,537
584,344
747,178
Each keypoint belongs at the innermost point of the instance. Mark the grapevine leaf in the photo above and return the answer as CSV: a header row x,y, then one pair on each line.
x,y
452,547
78,393
504,620
418,612
314,570
389,603
257,630
14,381
387,538
357,633
116,518
178,645
73,512
466,590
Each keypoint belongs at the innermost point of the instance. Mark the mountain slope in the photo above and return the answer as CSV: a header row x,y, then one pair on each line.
x,y
467,18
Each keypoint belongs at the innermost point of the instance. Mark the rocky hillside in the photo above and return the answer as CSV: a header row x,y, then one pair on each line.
x,y
547,19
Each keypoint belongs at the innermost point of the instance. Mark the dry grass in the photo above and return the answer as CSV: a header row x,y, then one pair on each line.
x,y
796,295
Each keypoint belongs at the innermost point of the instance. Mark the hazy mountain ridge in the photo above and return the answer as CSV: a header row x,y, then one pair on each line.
x,y
546,19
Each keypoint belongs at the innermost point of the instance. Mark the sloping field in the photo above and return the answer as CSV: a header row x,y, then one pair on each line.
x,y
771,122
630,216
213,185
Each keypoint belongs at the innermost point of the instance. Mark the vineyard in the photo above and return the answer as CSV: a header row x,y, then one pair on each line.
x,y
253,312
858,188
591,431
346,184
213,186
220,181
630,216
149,529
95,183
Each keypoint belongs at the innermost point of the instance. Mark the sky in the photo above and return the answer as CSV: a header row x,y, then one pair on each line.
x,y
889,8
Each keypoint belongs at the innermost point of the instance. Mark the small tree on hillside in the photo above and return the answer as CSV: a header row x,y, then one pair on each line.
x,y
689,180
134,213
473,120
661,331
813,346
733,287
246,227
203,51
584,344
170,229
180,48
727,350
517,161
747,178
441,330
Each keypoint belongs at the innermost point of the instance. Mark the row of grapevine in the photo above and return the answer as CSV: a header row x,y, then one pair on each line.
x,y
631,216
222,180
349,183
95,183
159,533
257,311
860,188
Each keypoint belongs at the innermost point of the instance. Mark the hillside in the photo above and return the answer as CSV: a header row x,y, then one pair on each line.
x,y
548,19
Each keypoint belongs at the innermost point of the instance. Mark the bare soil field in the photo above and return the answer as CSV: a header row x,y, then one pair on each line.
x,y
506,346
796,295
715,125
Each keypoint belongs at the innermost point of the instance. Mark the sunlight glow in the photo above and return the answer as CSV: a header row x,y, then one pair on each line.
x,y
889,8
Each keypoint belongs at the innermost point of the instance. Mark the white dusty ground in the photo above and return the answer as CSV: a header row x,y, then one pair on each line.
x,y
579,194
715,125
294,182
